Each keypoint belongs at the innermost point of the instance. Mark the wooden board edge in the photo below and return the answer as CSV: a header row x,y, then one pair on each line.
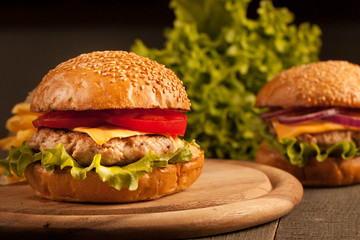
x,y
286,194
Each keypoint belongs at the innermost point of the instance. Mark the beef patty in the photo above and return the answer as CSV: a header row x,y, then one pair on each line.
x,y
114,152
327,139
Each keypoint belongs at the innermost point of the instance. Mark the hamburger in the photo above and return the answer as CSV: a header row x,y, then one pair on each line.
x,y
314,111
108,132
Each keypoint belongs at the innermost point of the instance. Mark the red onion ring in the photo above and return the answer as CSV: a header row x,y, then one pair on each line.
x,y
345,120
307,117
296,115
272,114
290,111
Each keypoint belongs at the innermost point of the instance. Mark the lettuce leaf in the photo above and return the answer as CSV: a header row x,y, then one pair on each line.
x,y
298,153
117,177
224,58
18,159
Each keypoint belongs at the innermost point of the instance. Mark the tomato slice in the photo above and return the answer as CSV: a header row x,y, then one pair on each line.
x,y
70,119
161,121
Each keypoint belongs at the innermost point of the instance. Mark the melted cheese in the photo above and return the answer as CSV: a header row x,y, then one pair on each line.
x,y
104,133
316,126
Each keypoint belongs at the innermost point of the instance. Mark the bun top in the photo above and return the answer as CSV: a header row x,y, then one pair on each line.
x,y
320,84
109,80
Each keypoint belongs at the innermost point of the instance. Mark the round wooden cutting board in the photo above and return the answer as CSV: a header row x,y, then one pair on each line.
x,y
228,196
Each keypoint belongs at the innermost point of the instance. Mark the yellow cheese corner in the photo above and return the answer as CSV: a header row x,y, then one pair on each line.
x,y
104,133
316,126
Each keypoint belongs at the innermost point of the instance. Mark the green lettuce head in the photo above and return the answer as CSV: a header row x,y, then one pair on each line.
x,y
224,58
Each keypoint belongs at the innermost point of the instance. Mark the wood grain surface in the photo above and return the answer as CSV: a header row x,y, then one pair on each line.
x,y
324,213
229,195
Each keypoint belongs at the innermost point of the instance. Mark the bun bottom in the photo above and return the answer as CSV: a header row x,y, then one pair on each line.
x,y
331,172
59,185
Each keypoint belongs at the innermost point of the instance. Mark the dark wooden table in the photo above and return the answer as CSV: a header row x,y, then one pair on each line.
x,y
324,213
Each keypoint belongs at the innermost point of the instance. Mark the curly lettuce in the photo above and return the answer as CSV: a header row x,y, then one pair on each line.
x,y
118,177
298,153
224,58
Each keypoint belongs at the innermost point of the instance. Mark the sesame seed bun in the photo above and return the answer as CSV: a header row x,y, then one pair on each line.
x,y
109,80
320,84
59,185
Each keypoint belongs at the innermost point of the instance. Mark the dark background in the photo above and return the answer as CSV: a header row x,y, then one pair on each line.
x,y
35,36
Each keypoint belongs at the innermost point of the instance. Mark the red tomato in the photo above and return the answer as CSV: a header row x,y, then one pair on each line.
x,y
70,119
159,121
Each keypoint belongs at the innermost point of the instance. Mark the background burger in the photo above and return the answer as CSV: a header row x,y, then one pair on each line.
x,y
108,132
315,113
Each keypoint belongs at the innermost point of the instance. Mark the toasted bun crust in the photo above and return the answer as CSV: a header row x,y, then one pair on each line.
x,y
108,80
331,172
322,84
59,185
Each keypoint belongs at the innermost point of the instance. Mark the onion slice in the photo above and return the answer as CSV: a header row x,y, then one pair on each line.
x,y
344,116
345,120
289,111
293,119
273,114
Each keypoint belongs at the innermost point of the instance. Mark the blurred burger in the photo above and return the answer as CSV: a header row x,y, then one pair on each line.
x,y
108,132
314,110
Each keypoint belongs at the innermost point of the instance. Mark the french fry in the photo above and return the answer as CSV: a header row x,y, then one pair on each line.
x,y
20,128
20,122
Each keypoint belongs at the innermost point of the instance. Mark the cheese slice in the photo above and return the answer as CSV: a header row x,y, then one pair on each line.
x,y
104,133
316,126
